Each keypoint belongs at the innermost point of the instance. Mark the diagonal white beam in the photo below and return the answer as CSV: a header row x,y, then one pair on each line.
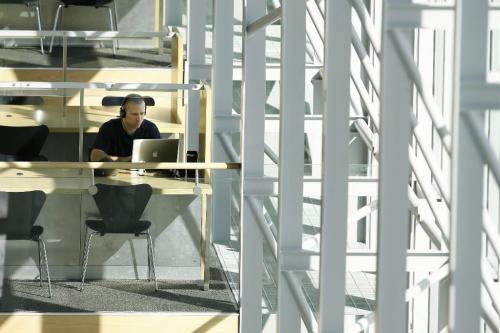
x,y
264,21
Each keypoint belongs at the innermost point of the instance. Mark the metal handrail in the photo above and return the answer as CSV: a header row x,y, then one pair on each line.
x,y
120,165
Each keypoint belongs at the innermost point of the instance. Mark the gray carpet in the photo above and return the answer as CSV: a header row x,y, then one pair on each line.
x,y
83,57
117,295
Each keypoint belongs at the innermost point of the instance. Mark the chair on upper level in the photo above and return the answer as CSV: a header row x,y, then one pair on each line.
x,y
118,100
22,143
88,3
18,213
121,208
30,4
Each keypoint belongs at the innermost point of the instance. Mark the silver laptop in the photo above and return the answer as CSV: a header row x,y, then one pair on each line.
x,y
155,150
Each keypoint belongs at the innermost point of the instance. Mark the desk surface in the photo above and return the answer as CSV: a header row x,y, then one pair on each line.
x,y
74,182
57,122
160,185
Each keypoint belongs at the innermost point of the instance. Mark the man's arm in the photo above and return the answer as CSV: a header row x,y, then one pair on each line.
x,y
97,155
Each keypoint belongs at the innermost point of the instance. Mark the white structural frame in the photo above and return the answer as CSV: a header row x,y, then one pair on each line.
x,y
291,155
222,103
471,66
252,157
396,140
335,166
394,170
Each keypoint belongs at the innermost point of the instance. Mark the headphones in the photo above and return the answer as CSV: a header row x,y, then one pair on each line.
x,y
131,97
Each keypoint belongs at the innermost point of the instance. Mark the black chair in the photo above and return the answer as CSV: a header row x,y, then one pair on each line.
x,y
30,4
118,100
22,143
121,208
21,100
18,213
88,3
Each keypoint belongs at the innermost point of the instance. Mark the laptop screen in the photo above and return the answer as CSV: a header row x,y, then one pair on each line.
x,y
155,150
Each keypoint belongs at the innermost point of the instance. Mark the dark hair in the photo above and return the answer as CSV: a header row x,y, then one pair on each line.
x,y
134,98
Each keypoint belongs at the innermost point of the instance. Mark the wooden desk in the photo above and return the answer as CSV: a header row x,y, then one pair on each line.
x,y
74,181
58,122
50,181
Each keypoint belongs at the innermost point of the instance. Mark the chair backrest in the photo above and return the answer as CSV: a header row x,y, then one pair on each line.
x,y
22,2
121,207
21,100
118,100
25,142
18,213
93,3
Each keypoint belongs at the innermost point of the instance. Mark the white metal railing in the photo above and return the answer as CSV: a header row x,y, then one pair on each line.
x,y
428,170
366,322
87,35
443,131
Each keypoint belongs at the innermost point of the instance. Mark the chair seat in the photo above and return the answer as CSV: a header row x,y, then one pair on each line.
x,y
89,3
100,226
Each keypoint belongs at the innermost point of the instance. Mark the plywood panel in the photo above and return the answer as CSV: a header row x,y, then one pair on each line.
x,y
30,74
119,323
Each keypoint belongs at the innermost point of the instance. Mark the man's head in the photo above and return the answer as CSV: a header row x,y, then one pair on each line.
x,y
133,110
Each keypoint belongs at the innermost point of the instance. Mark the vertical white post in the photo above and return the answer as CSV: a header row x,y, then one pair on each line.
x,y
192,121
222,90
394,175
291,156
471,33
252,159
196,12
195,36
335,166
173,13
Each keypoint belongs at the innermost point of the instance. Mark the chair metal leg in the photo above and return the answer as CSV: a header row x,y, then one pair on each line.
x,y
149,259
86,258
84,246
39,261
37,9
46,266
112,28
152,251
58,12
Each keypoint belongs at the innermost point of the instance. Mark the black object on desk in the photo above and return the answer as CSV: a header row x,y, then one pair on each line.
x,y
191,157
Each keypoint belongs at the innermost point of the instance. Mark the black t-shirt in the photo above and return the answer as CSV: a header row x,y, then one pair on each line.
x,y
114,141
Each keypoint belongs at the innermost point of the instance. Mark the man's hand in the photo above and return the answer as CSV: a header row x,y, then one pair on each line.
x,y
123,158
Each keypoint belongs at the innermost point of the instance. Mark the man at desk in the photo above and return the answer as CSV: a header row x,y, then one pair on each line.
x,y
115,137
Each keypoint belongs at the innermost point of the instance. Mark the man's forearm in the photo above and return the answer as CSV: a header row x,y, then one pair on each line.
x,y
97,155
